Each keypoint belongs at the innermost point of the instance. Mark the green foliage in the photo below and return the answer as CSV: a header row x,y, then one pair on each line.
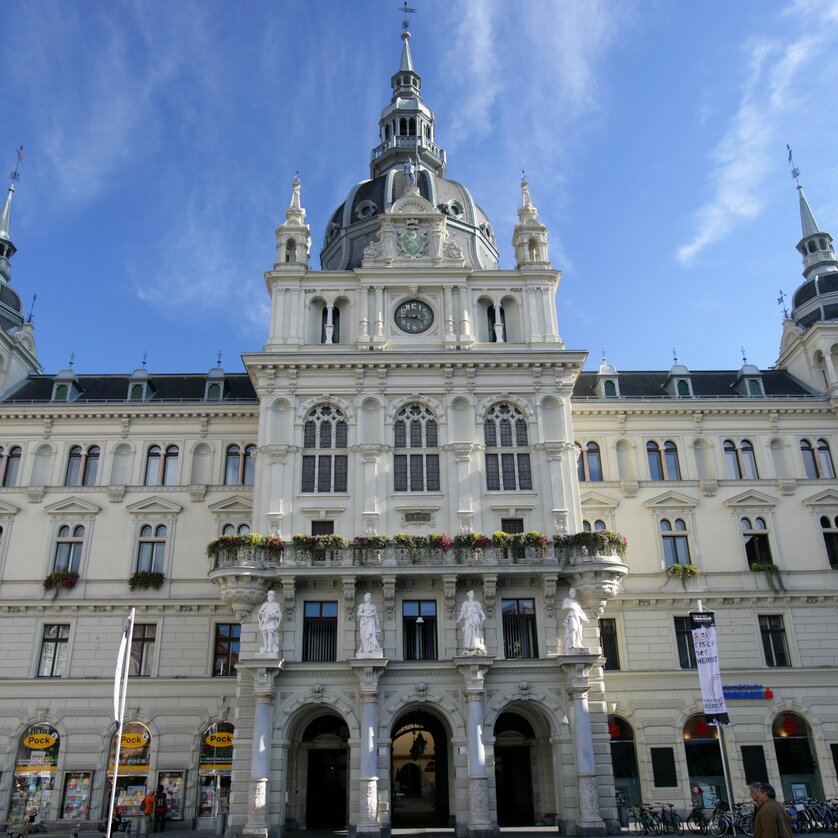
x,y
144,580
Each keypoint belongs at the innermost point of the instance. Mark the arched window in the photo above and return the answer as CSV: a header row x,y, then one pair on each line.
x,y
402,127
232,529
71,478
739,460
152,466
682,388
324,431
68,547
796,756
610,389
415,429
676,545
670,460
9,466
624,759
589,463
704,761
170,460
238,470
493,313
291,250
335,324
151,552
532,248
411,129
214,392
82,466
817,464
665,466
598,526
757,545
829,527
135,393
161,466
507,449
653,455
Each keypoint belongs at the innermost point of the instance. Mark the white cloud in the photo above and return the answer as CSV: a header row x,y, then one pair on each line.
x,y
771,99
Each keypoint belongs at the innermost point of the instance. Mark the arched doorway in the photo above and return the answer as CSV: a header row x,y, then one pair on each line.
x,y
419,768
704,760
796,757
624,760
514,736
326,758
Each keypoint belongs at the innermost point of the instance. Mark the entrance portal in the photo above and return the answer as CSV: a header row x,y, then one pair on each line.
x,y
513,772
419,769
325,743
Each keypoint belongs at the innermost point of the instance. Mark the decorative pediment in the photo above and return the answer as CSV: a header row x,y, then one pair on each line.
x,y
751,498
7,509
73,506
154,506
671,500
594,500
829,498
235,505
412,203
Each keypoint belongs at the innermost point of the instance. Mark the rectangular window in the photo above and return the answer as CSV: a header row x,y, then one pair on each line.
x,y
608,639
519,639
308,473
684,641
663,767
514,526
524,472
400,472
320,631
492,473
142,649
753,761
774,640
322,527
340,472
419,629
226,654
53,660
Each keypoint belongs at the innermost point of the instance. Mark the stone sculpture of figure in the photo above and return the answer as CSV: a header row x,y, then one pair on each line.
x,y
472,618
409,171
368,629
270,616
575,616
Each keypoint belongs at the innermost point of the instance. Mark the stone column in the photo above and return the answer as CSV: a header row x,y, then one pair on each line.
x,y
589,820
368,672
450,333
480,820
330,326
260,759
378,326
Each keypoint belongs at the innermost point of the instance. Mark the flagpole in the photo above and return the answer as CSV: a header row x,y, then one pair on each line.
x,y
120,693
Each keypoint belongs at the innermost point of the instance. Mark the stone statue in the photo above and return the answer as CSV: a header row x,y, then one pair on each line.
x,y
575,616
270,616
472,618
368,629
409,171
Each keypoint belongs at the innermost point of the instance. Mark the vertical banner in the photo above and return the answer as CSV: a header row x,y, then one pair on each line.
x,y
703,627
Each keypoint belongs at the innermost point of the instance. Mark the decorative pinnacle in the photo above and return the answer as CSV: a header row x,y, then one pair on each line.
x,y
781,301
795,172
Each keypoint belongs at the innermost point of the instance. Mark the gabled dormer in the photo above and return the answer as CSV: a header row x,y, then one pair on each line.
x,y
140,388
216,385
65,386
679,383
749,382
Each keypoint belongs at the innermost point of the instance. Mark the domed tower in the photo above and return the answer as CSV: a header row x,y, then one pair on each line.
x,y
407,156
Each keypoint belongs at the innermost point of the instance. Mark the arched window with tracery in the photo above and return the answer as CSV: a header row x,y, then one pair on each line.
x,y
161,466
151,552
416,439
68,547
238,466
324,432
740,461
589,463
82,466
9,465
507,449
817,460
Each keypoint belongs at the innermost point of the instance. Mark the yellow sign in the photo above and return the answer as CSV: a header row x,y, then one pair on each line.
x,y
219,740
38,741
134,740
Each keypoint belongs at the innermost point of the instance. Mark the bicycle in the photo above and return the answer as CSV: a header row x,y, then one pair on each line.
x,y
642,821
742,818
697,821
670,819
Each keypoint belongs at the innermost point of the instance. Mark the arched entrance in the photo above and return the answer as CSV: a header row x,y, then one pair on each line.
x,y
796,757
704,760
419,768
514,736
624,760
324,760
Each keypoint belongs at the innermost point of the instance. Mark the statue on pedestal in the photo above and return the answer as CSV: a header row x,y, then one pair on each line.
x,y
472,618
270,616
574,618
368,629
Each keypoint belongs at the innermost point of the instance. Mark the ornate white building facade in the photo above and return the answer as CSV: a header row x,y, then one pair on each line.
x,y
413,387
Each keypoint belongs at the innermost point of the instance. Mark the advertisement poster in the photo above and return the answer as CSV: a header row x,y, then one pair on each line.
x,y
703,626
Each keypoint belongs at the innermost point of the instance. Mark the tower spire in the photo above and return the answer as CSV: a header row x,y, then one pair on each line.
x,y
7,248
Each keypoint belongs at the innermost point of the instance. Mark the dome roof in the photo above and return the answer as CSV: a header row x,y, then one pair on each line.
x,y
354,224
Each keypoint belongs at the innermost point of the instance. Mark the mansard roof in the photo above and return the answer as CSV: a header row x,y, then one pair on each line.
x,y
114,388
707,384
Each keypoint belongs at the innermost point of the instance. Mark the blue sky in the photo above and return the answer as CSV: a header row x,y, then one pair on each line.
x,y
160,141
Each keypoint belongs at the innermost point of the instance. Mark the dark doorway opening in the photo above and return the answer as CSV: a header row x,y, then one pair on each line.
x,y
419,768
326,774
513,770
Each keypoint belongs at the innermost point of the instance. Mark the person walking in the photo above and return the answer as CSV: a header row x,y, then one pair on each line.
x,y
148,809
161,808
771,819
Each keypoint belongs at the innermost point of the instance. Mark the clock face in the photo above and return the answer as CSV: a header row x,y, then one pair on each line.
x,y
414,316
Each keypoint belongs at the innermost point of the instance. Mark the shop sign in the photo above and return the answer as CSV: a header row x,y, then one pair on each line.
x,y
746,691
220,739
38,748
39,741
134,740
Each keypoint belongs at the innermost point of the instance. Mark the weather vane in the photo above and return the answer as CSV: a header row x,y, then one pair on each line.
x,y
72,359
32,308
744,358
795,172
145,357
674,355
15,175
219,359
407,11
781,301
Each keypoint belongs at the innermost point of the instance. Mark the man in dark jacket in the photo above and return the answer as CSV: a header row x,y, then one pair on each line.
x,y
161,808
770,820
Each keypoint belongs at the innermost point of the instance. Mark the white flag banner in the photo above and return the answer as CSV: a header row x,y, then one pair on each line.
x,y
703,626
121,664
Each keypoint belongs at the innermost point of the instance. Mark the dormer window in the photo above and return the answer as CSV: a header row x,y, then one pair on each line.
x,y
755,387
366,209
609,388
214,392
61,394
682,388
136,393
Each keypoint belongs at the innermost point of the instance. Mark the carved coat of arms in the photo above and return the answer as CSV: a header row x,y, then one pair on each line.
x,y
413,242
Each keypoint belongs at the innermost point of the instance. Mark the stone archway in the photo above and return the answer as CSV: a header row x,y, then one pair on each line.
x,y
420,768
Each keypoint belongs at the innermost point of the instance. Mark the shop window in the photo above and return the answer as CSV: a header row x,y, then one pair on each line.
x,y
684,643
52,662
416,429
142,649
624,760
75,804
324,432
419,629
704,761
773,634
608,642
226,648
507,449
796,759
320,631
34,777
134,752
215,769
519,635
